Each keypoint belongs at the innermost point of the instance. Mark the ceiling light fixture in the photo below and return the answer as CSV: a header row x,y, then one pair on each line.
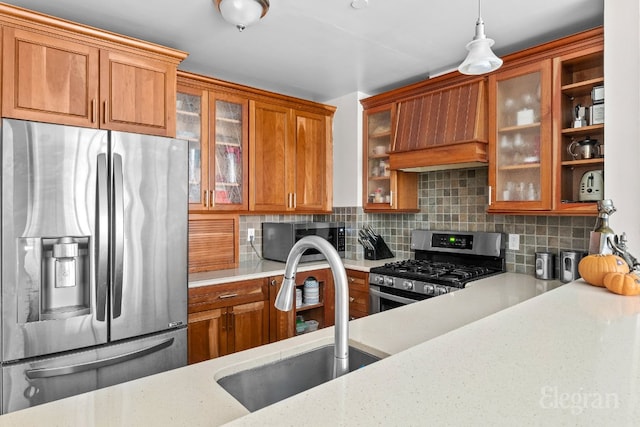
x,y
480,58
242,13
359,4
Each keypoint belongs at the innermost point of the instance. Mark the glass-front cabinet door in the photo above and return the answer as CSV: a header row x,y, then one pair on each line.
x,y
228,142
216,128
520,175
386,189
378,175
191,107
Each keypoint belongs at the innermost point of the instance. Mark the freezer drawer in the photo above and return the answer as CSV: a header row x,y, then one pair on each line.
x,y
46,379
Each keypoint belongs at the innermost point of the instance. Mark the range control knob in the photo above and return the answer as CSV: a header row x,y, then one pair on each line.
x,y
379,280
388,281
407,284
429,289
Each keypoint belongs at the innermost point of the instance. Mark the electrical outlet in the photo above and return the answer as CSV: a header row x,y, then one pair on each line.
x,y
514,242
251,234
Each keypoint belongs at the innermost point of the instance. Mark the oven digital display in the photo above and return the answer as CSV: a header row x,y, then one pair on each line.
x,y
453,241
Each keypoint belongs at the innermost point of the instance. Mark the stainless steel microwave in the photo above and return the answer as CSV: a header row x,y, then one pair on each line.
x,y
279,237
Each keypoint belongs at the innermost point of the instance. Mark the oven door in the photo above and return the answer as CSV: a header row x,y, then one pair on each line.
x,y
383,298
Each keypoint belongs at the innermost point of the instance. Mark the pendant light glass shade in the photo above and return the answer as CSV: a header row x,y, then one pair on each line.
x,y
242,13
480,59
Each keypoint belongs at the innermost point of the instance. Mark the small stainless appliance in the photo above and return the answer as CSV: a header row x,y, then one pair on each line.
x,y
569,261
445,261
279,237
94,259
591,186
587,148
545,265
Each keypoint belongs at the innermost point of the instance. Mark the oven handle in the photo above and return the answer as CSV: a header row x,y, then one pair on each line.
x,y
391,297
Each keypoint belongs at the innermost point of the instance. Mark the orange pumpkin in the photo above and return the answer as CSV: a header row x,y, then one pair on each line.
x,y
623,284
594,267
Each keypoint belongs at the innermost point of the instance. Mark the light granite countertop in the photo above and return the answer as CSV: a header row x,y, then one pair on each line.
x,y
489,354
264,268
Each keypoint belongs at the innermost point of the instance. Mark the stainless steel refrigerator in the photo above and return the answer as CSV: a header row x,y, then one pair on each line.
x,y
94,259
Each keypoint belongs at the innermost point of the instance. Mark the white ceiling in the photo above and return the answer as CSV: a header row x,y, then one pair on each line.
x,y
323,49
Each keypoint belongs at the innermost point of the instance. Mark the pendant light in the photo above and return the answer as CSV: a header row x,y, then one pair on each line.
x,y
242,13
480,59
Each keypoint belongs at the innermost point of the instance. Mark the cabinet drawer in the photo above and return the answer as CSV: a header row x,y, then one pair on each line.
x,y
227,294
358,281
358,302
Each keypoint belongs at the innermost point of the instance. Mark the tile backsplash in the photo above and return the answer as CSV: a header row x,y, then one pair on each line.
x,y
448,200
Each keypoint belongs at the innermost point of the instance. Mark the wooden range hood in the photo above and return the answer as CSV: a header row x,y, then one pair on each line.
x,y
442,129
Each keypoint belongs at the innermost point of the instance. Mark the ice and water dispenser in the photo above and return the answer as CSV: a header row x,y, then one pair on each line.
x,y
56,272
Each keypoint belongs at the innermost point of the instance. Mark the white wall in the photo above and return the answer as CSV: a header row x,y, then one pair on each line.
x,y
622,116
347,150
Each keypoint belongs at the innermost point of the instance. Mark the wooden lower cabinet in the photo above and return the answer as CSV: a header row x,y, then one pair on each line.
x,y
236,316
227,318
358,293
283,324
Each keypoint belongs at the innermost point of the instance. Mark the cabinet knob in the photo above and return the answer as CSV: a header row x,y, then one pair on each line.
x,y
351,299
274,282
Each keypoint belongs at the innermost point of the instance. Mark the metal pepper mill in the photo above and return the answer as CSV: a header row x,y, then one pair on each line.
x,y
599,237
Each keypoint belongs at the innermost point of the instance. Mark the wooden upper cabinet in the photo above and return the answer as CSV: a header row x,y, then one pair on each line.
x,y
270,149
312,165
49,79
521,171
290,158
228,152
137,94
385,190
61,72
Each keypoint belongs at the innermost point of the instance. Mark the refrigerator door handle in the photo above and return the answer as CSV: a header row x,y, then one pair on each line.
x,y
102,237
118,235
90,366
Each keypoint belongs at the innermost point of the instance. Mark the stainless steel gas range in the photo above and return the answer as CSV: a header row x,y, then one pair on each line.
x,y
445,261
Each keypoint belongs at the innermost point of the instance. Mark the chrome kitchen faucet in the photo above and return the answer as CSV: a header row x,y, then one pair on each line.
x,y
284,299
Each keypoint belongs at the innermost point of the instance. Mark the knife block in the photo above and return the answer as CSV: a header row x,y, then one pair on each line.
x,y
380,251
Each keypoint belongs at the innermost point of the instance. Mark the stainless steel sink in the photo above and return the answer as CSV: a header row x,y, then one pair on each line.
x,y
264,385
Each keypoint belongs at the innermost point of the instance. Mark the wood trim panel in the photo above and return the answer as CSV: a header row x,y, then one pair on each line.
x,y
462,155
216,85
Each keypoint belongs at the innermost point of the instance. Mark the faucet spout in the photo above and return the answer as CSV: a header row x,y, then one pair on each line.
x,y
284,299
